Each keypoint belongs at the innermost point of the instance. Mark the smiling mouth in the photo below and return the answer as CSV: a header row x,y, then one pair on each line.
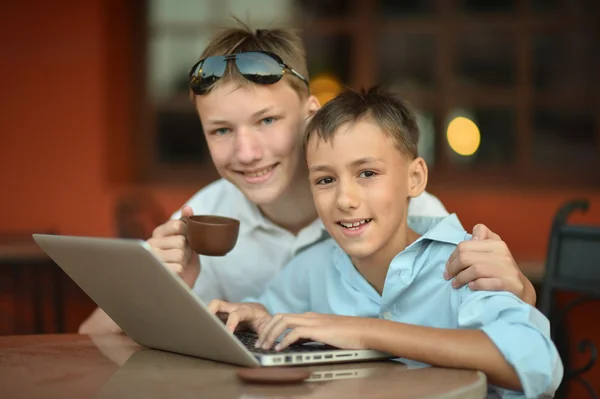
x,y
259,172
354,225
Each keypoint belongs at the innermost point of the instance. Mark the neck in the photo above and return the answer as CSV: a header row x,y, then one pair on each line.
x,y
295,209
374,268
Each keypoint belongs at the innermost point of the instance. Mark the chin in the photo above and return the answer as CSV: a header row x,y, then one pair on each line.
x,y
359,253
356,250
260,194
263,196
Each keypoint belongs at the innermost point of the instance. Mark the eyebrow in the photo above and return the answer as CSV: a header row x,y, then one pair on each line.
x,y
216,122
263,111
355,163
255,115
364,160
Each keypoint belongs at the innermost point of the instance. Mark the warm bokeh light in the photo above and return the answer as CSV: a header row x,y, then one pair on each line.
x,y
463,136
325,87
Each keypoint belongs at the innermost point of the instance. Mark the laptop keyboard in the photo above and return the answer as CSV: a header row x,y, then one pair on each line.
x,y
249,339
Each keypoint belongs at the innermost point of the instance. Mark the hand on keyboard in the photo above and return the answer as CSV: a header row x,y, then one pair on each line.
x,y
249,340
344,332
241,315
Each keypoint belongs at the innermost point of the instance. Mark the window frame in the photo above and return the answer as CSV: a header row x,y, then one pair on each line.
x,y
363,25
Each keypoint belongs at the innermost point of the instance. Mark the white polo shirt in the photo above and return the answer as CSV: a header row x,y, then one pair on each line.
x,y
262,248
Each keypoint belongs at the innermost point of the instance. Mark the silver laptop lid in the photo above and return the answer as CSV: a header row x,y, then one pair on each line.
x,y
146,299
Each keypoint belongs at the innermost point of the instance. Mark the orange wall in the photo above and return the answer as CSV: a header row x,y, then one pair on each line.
x,y
53,118
65,132
59,116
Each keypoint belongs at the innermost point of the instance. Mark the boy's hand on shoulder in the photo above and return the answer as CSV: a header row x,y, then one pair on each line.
x,y
485,263
239,316
340,331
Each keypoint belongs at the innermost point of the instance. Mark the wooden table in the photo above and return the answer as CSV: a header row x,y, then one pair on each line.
x,y
113,366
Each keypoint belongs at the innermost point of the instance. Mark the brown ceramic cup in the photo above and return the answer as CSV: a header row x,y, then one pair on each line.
x,y
211,235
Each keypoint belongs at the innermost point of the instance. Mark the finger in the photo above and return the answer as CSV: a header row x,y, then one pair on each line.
x,y
468,259
482,232
261,323
170,228
214,306
168,242
173,256
264,340
488,284
278,326
469,246
292,337
187,211
233,320
264,331
175,267
239,315
450,260
479,246
472,273
218,306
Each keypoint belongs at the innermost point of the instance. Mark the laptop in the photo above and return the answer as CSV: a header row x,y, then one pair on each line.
x,y
156,309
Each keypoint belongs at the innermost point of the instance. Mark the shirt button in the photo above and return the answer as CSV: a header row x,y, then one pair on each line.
x,y
387,315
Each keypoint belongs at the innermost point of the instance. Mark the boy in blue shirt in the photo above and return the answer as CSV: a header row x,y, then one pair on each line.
x,y
378,283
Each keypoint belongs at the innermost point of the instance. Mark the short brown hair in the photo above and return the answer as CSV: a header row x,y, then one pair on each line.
x,y
378,105
286,43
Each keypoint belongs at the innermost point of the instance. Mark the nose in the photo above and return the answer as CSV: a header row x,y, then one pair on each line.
x,y
248,147
347,196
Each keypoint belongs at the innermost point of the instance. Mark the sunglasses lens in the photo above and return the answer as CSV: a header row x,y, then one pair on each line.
x,y
259,68
213,68
207,72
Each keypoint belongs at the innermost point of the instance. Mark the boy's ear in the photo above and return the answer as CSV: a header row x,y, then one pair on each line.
x,y
312,105
417,177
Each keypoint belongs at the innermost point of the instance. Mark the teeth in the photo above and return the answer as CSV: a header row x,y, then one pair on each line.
x,y
261,172
354,226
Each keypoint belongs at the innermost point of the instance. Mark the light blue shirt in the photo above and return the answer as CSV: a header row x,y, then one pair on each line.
x,y
323,279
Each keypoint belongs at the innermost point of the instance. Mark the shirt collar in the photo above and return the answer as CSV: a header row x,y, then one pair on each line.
x,y
446,229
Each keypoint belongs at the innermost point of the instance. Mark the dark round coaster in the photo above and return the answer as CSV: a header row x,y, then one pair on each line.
x,y
274,375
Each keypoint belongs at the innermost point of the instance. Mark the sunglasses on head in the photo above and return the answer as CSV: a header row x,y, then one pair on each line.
x,y
260,67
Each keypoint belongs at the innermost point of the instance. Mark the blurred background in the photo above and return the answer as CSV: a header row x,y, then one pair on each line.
x,y
98,136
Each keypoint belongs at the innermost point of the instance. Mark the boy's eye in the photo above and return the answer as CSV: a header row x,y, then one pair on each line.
x,y
221,131
268,121
325,180
367,173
